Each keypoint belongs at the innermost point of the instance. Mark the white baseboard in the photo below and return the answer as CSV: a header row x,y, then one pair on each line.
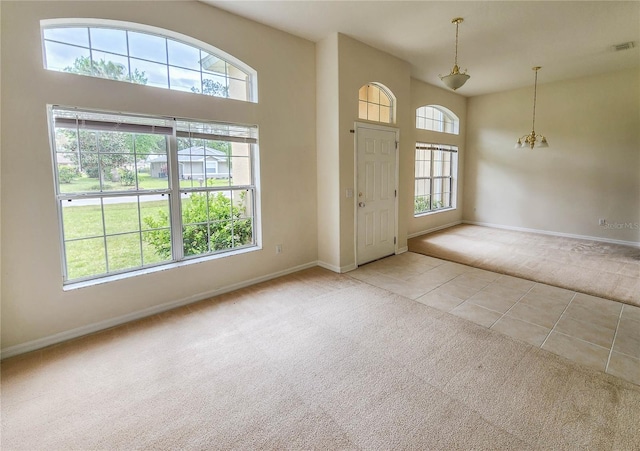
x,y
548,232
101,325
434,229
402,250
338,269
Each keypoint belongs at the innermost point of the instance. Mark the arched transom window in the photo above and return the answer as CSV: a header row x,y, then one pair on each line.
x,y
375,103
438,119
145,55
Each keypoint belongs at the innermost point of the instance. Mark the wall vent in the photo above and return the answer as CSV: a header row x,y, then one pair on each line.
x,y
624,46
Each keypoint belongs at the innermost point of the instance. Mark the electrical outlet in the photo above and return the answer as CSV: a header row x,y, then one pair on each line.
x,y
602,221
278,248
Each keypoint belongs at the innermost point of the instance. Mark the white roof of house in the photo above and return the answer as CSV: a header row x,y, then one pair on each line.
x,y
196,153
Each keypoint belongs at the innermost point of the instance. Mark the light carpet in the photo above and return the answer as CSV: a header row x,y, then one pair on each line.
x,y
313,360
610,271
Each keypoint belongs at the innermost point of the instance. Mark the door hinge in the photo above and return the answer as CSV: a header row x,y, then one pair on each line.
x,y
394,240
395,193
396,145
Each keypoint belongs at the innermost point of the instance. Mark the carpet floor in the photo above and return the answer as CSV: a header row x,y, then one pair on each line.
x,y
610,271
310,360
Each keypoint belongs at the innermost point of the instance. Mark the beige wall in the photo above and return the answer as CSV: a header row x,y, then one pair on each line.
x,y
591,170
425,94
328,152
34,305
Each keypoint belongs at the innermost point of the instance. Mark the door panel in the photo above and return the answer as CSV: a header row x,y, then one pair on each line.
x,y
376,185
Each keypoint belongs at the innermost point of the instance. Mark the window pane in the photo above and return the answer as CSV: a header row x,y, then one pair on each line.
x,y
243,202
240,171
156,246
61,57
243,232
121,214
197,211
213,64
85,258
154,172
69,35
184,79
384,99
109,40
362,93
373,112
69,176
238,89
156,74
362,109
236,73
214,85
156,235
183,55
107,65
446,169
385,114
124,252
448,127
373,94
148,47
81,218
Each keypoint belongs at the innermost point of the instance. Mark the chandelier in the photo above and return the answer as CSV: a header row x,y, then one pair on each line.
x,y
456,78
532,140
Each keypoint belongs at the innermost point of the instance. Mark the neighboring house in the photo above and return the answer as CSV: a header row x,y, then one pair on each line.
x,y
194,163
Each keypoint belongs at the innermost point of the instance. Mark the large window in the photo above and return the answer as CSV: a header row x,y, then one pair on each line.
x,y
435,177
375,103
438,119
135,191
145,55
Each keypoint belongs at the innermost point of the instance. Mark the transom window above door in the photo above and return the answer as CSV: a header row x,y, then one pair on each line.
x,y
145,55
376,103
438,119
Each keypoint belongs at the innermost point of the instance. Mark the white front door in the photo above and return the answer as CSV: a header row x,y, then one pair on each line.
x,y
375,192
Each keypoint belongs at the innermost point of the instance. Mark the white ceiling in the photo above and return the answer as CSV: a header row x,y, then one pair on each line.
x,y
499,40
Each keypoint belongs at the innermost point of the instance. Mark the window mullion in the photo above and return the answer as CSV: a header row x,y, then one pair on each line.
x,y
432,187
175,207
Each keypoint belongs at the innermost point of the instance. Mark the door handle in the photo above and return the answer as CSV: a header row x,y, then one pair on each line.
x,y
360,204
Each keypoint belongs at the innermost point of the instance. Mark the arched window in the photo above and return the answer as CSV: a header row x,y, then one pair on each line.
x,y
375,103
142,54
438,119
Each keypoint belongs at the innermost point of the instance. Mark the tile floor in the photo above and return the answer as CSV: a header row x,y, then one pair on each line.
x,y
596,332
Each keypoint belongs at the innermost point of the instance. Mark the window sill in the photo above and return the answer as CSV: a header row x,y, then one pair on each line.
x,y
434,212
70,286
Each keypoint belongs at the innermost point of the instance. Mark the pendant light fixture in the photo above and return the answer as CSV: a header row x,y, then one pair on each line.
x,y
456,78
532,140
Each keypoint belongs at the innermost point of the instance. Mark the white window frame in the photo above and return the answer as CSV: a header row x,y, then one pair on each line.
x,y
384,91
452,177
252,75
444,118
238,133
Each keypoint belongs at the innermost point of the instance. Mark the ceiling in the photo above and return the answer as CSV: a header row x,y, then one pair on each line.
x,y
499,40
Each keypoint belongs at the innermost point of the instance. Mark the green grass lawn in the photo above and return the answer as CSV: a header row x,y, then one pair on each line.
x,y
145,181
86,252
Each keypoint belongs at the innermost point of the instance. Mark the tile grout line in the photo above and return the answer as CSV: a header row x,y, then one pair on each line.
x,y
615,335
575,293
515,303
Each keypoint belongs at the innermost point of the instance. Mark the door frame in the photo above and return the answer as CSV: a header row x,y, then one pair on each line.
x,y
356,126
